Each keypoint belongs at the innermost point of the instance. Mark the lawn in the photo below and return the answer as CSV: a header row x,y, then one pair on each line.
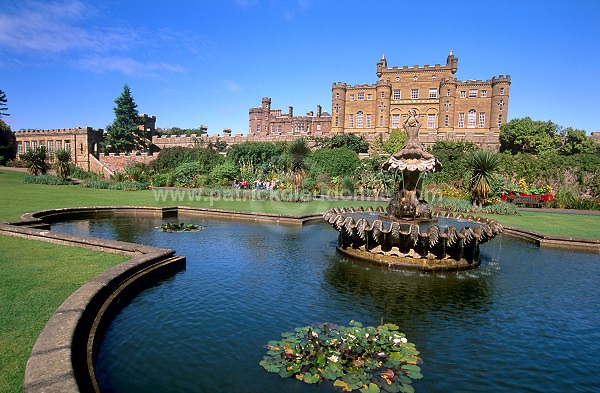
x,y
34,283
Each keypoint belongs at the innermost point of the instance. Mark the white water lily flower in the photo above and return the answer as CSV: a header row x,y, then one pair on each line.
x,y
333,358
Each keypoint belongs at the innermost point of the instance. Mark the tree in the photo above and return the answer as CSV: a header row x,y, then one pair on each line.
x,y
529,136
482,165
3,107
575,142
396,141
340,161
298,151
348,140
37,161
124,134
7,143
63,163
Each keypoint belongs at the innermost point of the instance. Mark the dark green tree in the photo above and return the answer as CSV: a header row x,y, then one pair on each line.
x,y
395,142
7,143
576,141
529,136
3,107
297,153
348,140
63,163
124,134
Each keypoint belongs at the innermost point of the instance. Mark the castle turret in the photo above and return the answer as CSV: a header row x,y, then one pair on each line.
x,y
452,61
499,110
381,65
338,106
447,105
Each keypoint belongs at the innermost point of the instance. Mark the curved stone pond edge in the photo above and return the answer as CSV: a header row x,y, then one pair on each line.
x,y
62,357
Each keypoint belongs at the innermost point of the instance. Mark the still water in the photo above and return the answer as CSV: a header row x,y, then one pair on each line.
x,y
527,320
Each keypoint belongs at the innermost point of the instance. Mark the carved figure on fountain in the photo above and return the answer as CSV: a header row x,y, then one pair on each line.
x,y
411,161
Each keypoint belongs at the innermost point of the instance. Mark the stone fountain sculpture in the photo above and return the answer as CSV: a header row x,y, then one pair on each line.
x,y
403,243
411,162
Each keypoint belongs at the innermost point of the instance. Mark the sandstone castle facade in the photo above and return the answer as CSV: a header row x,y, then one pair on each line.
x,y
449,109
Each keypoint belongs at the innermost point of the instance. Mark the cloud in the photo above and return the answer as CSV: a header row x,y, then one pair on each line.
x,y
127,66
232,86
68,31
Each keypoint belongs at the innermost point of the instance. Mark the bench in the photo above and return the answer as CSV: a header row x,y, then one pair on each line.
x,y
528,201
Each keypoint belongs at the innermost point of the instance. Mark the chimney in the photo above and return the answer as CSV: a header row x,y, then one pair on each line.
x,y
291,113
319,109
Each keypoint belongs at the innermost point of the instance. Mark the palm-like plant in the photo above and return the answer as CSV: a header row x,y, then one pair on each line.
x,y
37,161
298,150
482,166
63,163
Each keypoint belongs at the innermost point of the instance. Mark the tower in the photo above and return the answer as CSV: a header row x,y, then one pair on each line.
x,y
452,62
338,107
381,65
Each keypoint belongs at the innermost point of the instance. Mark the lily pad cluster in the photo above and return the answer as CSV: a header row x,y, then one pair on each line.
x,y
369,359
170,227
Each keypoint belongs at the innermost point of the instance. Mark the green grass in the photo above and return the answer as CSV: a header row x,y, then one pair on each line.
x,y
34,283
36,278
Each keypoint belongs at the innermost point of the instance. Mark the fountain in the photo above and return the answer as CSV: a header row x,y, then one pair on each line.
x,y
407,242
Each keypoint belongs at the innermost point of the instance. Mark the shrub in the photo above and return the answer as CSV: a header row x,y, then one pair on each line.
x,y
186,173
47,179
161,180
335,162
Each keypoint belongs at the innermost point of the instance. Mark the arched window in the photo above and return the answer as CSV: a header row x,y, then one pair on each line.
x,y
471,118
359,119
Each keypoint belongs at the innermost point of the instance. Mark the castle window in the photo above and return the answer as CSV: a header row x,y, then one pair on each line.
x,y
395,121
369,97
279,128
414,94
502,91
34,145
383,94
446,121
359,120
58,145
380,121
471,118
318,127
463,94
431,120
26,147
461,120
337,121
481,119
397,78
337,96
350,121
368,121
472,92
447,105
68,145
447,92
483,93
397,94
258,128
433,93
337,108
501,104
351,97
433,76
19,149
499,120
361,96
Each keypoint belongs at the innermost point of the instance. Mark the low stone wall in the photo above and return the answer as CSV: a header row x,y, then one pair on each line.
x,y
117,162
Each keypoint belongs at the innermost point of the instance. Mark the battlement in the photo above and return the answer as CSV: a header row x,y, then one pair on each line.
x,y
426,67
128,154
501,78
54,131
363,86
339,84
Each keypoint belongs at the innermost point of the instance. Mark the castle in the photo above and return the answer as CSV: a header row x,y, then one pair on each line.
x,y
449,109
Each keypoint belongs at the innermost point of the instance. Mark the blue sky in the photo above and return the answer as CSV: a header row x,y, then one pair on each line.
x,y
63,63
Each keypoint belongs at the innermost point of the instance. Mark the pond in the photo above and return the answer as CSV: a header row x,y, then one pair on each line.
x,y
526,320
